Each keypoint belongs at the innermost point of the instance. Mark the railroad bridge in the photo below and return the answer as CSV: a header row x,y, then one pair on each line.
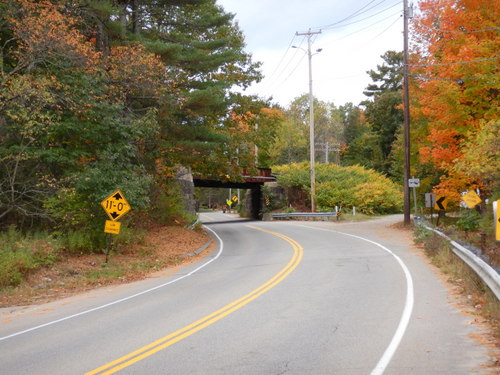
x,y
253,183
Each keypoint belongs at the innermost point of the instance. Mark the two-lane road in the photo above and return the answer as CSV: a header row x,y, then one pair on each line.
x,y
272,298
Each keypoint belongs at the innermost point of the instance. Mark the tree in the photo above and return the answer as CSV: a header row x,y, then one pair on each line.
x,y
293,138
99,95
383,112
388,77
369,191
455,87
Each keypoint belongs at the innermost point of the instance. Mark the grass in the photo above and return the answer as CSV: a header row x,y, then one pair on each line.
x,y
358,217
36,268
107,271
475,229
21,254
440,253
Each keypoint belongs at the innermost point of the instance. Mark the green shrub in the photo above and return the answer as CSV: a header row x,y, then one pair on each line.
x,y
370,192
20,254
421,234
169,205
469,222
78,241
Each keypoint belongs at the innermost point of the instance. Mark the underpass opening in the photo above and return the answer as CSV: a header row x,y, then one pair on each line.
x,y
248,192
251,184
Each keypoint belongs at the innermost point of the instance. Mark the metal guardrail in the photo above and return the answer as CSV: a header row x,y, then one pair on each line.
x,y
487,273
306,215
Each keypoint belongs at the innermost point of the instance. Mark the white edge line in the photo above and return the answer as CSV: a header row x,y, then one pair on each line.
x,y
408,308
122,299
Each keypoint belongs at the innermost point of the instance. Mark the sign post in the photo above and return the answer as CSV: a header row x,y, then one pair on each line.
x,y
414,183
441,204
430,201
115,207
496,214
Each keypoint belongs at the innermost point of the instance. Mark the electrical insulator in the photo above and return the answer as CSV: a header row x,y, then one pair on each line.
x,y
410,12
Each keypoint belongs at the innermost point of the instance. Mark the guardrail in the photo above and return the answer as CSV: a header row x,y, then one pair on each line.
x,y
305,215
487,273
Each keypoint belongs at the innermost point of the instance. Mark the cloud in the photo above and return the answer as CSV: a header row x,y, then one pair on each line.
x,y
348,49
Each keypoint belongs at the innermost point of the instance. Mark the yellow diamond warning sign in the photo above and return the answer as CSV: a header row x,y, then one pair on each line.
x,y
115,205
471,199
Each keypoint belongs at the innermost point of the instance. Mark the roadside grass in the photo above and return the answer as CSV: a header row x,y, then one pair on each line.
x,y
472,227
24,253
357,217
469,284
39,267
21,254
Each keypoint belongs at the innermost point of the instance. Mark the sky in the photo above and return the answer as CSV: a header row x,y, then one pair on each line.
x,y
354,34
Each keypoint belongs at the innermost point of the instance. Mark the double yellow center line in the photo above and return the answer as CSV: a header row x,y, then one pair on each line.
x,y
165,342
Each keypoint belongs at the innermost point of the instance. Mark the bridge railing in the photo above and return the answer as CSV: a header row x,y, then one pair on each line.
x,y
305,215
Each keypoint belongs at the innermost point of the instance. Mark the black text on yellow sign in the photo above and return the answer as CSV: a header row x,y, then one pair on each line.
x,y
115,205
112,227
471,199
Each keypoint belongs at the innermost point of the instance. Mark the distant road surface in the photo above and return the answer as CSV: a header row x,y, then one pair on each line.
x,y
272,298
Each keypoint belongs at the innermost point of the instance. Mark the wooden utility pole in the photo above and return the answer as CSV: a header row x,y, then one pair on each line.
x,y
406,113
309,34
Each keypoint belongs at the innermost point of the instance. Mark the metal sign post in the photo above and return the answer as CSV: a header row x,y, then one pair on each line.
x,y
115,207
414,183
430,201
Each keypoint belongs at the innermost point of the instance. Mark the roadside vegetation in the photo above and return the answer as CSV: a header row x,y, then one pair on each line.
x,y
126,92
38,269
466,281
340,187
97,96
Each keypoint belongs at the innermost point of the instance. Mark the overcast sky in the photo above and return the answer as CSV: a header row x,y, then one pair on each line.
x,y
350,45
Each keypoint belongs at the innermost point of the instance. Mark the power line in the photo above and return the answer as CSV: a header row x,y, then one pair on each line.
x,y
283,57
269,80
387,28
278,85
371,25
363,19
458,62
469,32
356,13
458,80
440,5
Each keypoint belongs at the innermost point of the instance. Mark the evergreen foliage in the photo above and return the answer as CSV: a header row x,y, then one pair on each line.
x,y
113,94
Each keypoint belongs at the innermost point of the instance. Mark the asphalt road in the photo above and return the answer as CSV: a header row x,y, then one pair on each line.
x,y
272,298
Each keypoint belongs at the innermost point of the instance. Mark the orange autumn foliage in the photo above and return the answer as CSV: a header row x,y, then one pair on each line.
x,y
135,72
52,41
455,83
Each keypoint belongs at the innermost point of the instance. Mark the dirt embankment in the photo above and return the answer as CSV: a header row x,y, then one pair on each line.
x,y
164,248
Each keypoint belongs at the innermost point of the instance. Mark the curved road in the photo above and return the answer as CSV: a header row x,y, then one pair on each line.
x,y
272,298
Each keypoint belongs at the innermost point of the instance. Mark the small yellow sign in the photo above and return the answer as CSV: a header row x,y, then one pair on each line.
x,y
235,199
115,205
498,230
229,202
112,227
497,219
471,199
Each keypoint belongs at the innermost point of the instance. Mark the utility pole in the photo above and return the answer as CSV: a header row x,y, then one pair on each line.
x,y
328,147
309,34
406,113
